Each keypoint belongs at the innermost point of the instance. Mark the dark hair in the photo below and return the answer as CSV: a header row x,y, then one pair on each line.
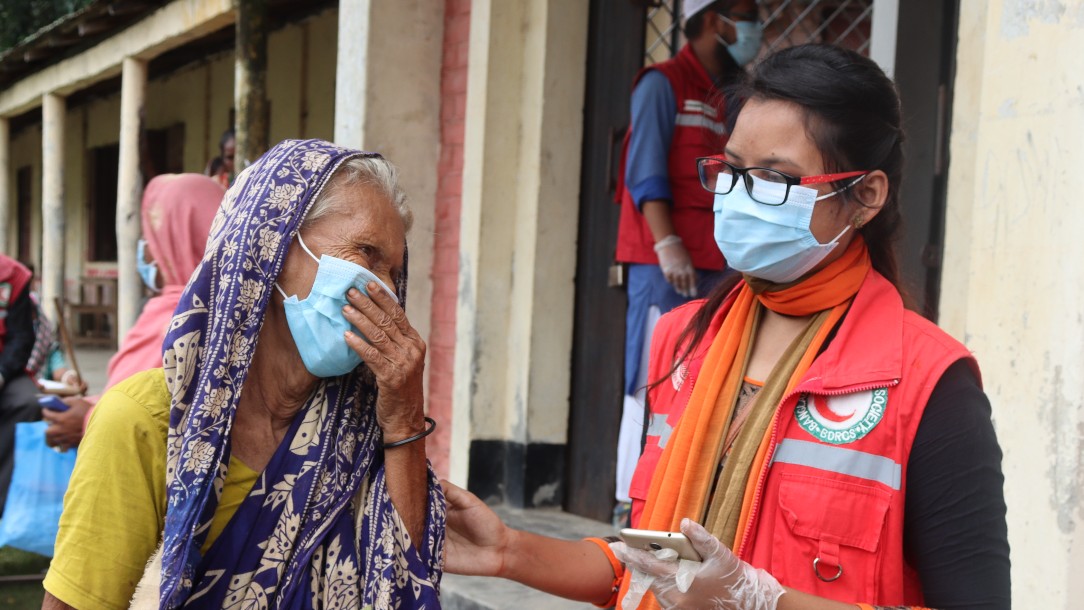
x,y
695,24
852,113
214,166
226,137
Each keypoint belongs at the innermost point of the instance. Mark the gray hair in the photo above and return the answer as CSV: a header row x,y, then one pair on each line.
x,y
376,172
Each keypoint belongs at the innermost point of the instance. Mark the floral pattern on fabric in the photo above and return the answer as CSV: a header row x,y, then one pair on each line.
x,y
304,537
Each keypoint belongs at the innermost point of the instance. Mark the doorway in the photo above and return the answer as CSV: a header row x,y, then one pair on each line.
x,y
24,185
615,53
103,164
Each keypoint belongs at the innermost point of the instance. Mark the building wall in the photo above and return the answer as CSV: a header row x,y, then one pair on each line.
x,y
26,151
445,272
1013,283
517,245
300,86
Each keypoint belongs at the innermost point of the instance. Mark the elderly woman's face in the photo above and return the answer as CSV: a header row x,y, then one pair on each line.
x,y
364,229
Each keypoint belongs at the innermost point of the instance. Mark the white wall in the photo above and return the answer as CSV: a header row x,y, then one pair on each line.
x,y
1013,283
517,263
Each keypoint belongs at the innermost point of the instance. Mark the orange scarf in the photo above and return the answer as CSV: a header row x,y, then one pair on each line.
x,y
687,468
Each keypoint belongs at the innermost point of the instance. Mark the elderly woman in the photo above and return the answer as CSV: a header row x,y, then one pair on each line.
x,y
275,470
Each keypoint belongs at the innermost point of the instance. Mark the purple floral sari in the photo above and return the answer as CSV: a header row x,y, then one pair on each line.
x,y
318,529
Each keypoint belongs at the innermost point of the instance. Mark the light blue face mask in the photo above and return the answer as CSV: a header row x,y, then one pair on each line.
x,y
317,322
770,242
747,45
147,271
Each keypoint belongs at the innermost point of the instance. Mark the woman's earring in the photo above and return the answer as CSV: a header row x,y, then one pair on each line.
x,y
857,221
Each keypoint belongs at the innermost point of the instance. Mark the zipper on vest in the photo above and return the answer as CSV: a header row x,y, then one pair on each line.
x,y
754,513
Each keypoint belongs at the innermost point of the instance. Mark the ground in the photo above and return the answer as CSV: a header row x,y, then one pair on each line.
x,y
26,594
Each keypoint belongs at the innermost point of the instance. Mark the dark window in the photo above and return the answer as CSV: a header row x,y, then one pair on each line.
x,y
102,203
24,196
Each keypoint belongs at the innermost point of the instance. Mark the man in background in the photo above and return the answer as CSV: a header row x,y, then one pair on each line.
x,y
665,231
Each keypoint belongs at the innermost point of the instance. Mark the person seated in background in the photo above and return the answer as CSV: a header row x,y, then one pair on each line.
x,y
47,362
222,168
177,214
267,465
18,394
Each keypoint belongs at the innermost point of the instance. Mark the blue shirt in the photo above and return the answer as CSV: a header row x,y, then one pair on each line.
x,y
654,111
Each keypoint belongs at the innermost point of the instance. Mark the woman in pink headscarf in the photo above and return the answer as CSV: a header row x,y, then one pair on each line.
x,y
177,213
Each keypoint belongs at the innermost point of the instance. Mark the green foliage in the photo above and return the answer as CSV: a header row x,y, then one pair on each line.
x,y
21,18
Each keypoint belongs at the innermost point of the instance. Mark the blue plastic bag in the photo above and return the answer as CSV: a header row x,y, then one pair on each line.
x,y
36,495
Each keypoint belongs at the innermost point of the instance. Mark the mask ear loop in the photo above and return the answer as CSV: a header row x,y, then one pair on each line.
x,y
836,192
307,251
306,248
841,233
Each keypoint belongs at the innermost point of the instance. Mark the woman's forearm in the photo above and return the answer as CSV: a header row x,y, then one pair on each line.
x,y
407,474
52,603
574,569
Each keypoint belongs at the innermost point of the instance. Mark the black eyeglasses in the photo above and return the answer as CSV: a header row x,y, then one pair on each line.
x,y
764,185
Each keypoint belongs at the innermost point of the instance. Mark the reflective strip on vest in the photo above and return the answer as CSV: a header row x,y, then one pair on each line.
x,y
699,120
837,459
661,428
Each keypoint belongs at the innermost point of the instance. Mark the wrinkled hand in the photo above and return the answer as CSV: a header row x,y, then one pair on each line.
x,y
65,429
720,582
395,353
476,536
677,265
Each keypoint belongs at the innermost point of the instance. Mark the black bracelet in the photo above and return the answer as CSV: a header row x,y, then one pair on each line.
x,y
410,439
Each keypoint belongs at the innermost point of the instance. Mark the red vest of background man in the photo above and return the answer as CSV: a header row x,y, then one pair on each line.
x,y
699,131
829,520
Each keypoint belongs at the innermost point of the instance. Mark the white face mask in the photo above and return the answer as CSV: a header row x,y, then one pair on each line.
x,y
769,242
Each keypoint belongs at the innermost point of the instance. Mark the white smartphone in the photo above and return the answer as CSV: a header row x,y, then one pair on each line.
x,y
653,540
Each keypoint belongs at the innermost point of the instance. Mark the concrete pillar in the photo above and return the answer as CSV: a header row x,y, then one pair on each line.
x,y
882,43
133,91
1013,273
519,220
387,100
351,71
5,187
53,109
250,82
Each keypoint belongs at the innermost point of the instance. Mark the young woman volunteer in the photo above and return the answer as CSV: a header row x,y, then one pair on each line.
x,y
820,445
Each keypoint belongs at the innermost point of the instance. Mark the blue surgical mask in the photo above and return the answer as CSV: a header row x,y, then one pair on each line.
x,y
317,323
147,271
747,45
770,242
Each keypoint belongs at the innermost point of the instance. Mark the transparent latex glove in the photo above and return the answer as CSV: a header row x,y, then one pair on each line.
x,y
720,582
676,265
641,581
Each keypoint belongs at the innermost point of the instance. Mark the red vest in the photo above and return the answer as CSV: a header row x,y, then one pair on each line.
x,y
13,279
699,130
831,500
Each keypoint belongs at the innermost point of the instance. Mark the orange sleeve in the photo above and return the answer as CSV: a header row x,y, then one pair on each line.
x,y
618,568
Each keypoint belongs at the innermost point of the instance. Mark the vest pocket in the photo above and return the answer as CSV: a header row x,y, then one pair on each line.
x,y
827,536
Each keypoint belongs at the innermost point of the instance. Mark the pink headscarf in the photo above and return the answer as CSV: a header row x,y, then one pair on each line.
x,y
177,214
